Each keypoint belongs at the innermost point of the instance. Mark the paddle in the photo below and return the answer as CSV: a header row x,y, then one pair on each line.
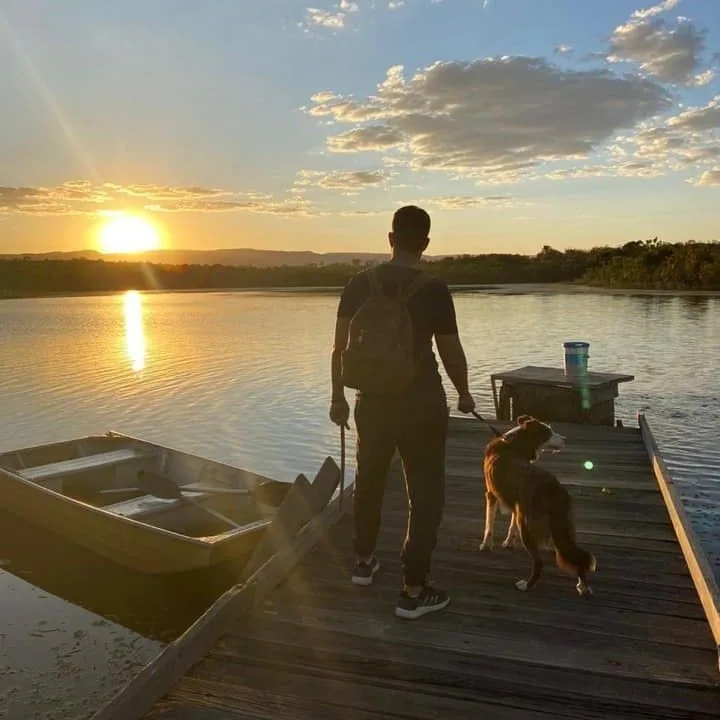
x,y
164,488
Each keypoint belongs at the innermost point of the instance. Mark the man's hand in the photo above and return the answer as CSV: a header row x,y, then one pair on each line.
x,y
466,404
340,412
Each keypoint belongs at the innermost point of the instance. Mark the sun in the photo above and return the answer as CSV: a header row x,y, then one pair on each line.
x,y
128,234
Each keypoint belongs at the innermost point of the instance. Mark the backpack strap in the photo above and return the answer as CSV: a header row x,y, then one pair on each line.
x,y
375,288
414,286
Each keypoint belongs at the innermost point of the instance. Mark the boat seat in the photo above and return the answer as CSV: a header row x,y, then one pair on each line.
x,y
143,504
81,464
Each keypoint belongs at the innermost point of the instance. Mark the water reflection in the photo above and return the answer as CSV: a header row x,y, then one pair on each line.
x,y
134,329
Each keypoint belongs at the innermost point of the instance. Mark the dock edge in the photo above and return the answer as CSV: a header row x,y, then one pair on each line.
x,y
701,572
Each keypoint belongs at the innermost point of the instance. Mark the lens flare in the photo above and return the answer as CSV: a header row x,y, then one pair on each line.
x,y
588,465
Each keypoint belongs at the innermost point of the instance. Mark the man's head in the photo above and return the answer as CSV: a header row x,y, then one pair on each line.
x,y
410,230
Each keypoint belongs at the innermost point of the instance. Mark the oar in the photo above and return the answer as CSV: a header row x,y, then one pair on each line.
x,y
163,487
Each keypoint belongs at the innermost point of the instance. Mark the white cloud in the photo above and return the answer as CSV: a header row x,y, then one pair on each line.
x,y
349,182
395,4
563,49
80,197
672,54
698,119
495,119
636,168
325,18
655,9
332,19
688,139
466,202
708,178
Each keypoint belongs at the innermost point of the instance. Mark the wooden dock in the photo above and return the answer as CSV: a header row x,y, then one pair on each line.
x,y
319,647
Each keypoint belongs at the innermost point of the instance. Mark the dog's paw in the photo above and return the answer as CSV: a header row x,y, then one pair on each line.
x,y
485,545
509,544
522,585
584,589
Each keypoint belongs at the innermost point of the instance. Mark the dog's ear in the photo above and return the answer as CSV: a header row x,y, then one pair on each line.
x,y
523,419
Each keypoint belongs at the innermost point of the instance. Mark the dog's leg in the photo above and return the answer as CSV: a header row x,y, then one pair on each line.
x,y
582,587
531,546
490,512
512,531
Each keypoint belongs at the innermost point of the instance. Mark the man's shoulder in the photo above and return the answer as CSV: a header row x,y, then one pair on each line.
x,y
357,279
435,283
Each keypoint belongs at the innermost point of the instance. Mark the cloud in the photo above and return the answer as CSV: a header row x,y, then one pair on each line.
x,y
698,119
80,197
655,9
334,19
562,49
708,178
465,202
633,168
681,141
494,119
671,54
326,19
350,182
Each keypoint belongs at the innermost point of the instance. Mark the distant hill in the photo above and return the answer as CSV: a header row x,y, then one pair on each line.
x,y
237,257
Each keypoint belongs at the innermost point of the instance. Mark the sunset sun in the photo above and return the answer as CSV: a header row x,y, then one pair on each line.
x,y
128,234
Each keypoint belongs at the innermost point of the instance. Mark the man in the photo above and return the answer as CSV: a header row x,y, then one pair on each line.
x,y
413,421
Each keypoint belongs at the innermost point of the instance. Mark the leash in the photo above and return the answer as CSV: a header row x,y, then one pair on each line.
x,y
482,419
342,465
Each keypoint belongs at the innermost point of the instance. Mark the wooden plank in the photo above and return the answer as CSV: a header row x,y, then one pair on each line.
x,y
575,651
366,657
556,376
494,606
303,501
700,569
137,697
80,464
294,511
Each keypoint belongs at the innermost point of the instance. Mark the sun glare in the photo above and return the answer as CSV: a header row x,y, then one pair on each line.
x,y
128,234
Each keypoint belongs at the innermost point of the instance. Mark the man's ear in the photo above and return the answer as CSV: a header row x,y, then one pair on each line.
x,y
391,239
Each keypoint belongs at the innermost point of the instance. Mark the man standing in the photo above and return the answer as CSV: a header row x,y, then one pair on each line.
x,y
401,403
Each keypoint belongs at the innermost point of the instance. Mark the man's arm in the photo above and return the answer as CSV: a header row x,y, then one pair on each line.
x,y
450,348
342,326
454,361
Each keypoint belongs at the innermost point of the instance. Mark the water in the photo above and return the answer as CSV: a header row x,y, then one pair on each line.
x,y
243,377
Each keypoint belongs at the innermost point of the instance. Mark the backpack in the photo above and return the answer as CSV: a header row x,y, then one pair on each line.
x,y
379,357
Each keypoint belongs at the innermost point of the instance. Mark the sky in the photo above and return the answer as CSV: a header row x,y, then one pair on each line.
x,y
288,124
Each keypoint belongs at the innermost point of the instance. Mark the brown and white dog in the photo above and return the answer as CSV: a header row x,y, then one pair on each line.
x,y
540,505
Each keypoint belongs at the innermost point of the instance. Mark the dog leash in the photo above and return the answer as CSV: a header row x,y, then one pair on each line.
x,y
342,466
482,419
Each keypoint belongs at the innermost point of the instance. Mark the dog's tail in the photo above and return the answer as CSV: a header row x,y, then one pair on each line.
x,y
568,554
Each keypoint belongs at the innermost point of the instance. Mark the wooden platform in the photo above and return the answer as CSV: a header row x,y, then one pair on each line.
x,y
319,647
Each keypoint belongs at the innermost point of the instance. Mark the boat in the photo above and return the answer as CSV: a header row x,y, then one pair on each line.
x,y
142,505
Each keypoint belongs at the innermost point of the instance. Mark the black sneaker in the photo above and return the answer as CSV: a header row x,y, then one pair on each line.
x,y
430,599
364,571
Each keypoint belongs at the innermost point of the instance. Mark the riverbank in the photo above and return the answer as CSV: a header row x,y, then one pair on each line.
x,y
559,288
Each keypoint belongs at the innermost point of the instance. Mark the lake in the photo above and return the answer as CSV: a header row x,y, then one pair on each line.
x,y
243,377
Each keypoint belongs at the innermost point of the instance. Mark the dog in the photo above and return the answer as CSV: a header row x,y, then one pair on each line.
x,y
541,507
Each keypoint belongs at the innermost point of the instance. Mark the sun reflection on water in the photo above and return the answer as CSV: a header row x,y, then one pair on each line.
x,y
134,330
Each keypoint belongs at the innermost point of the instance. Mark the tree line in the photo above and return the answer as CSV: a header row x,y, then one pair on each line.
x,y
637,264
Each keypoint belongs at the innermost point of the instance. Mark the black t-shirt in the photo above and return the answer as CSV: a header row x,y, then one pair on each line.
x,y
431,308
